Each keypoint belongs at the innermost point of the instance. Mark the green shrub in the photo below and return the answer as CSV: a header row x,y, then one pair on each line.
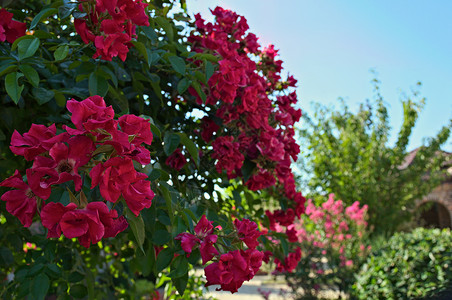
x,y
411,265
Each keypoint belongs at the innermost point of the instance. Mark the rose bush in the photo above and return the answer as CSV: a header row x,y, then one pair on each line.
x,y
137,145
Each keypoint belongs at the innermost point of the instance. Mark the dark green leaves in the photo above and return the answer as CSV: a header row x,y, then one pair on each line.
x,y
61,52
66,9
12,86
166,25
27,47
6,257
78,291
198,89
180,283
97,84
209,70
191,147
179,267
137,226
161,237
183,85
170,142
40,286
163,259
149,32
42,15
31,74
42,95
178,64
247,169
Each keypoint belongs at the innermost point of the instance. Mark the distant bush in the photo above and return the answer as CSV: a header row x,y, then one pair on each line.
x,y
332,239
411,265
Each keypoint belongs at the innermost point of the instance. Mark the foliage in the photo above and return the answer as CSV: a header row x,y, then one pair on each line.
x,y
349,155
331,238
132,125
411,265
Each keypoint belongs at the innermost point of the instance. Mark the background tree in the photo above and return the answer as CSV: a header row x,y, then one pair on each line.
x,y
349,155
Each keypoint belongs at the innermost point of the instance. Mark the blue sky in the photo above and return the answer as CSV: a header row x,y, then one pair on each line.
x,y
331,46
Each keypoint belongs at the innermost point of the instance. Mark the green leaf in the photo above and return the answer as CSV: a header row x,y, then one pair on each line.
x,y
209,70
160,237
53,270
170,142
155,174
201,77
66,9
97,84
75,277
191,147
179,267
27,47
78,291
166,25
183,85
178,64
110,73
61,52
180,283
31,74
7,68
167,196
6,257
207,56
17,41
164,259
137,226
42,95
142,49
13,88
198,89
150,33
40,286
247,169
156,131
43,14
60,99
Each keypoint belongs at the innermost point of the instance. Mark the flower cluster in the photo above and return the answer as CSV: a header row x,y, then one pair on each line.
x,y
290,262
255,109
335,224
176,160
111,25
10,30
99,146
330,237
229,269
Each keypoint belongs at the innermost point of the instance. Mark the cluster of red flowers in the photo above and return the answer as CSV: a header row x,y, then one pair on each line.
x,y
10,29
176,160
230,269
111,25
99,146
255,109
257,128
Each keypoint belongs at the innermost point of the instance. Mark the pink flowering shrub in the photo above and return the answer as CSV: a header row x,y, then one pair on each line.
x,y
332,239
